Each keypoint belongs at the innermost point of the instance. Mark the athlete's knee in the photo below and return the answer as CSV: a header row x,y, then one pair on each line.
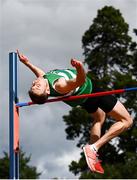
x,y
128,122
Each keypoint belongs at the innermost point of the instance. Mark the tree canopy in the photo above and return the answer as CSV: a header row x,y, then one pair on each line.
x,y
26,170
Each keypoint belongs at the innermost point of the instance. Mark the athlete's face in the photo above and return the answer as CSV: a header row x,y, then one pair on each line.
x,y
39,86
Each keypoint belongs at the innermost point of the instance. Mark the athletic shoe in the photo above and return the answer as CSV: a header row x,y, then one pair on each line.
x,y
92,160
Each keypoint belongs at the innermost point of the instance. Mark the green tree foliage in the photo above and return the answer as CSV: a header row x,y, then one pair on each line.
x,y
111,56
134,50
26,171
106,43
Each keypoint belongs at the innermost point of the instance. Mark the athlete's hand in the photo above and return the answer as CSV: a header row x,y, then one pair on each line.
x,y
22,58
75,63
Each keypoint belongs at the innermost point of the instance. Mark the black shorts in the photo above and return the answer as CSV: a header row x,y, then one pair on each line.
x,y
106,103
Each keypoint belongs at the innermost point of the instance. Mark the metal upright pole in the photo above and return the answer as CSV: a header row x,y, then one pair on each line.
x,y
13,98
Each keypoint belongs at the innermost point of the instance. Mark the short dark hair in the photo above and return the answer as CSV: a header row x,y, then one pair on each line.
x,y
38,99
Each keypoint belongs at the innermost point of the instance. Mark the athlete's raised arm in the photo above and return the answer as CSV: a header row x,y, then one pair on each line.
x,y
37,71
65,86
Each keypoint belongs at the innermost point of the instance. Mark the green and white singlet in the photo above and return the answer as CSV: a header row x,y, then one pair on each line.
x,y
54,75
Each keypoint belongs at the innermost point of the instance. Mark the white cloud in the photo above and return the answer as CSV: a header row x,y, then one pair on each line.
x,y
67,157
59,162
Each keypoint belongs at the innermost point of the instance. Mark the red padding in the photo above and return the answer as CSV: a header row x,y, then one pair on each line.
x,y
16,128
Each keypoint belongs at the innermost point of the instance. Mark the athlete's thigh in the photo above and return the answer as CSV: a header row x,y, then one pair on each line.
x,y
99,115
119,112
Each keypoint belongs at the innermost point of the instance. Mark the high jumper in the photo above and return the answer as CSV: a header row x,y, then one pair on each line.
x,y
75,82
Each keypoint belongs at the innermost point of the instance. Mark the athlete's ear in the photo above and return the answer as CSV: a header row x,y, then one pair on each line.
x,y
47,91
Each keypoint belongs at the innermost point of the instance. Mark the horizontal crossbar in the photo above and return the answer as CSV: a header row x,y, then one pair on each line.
x,y
72,98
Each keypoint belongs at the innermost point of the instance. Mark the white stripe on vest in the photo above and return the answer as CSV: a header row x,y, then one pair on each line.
x,y
74,76
67,78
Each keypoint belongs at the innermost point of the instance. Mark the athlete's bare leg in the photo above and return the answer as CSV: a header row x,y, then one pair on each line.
x,y
123,122
95,132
